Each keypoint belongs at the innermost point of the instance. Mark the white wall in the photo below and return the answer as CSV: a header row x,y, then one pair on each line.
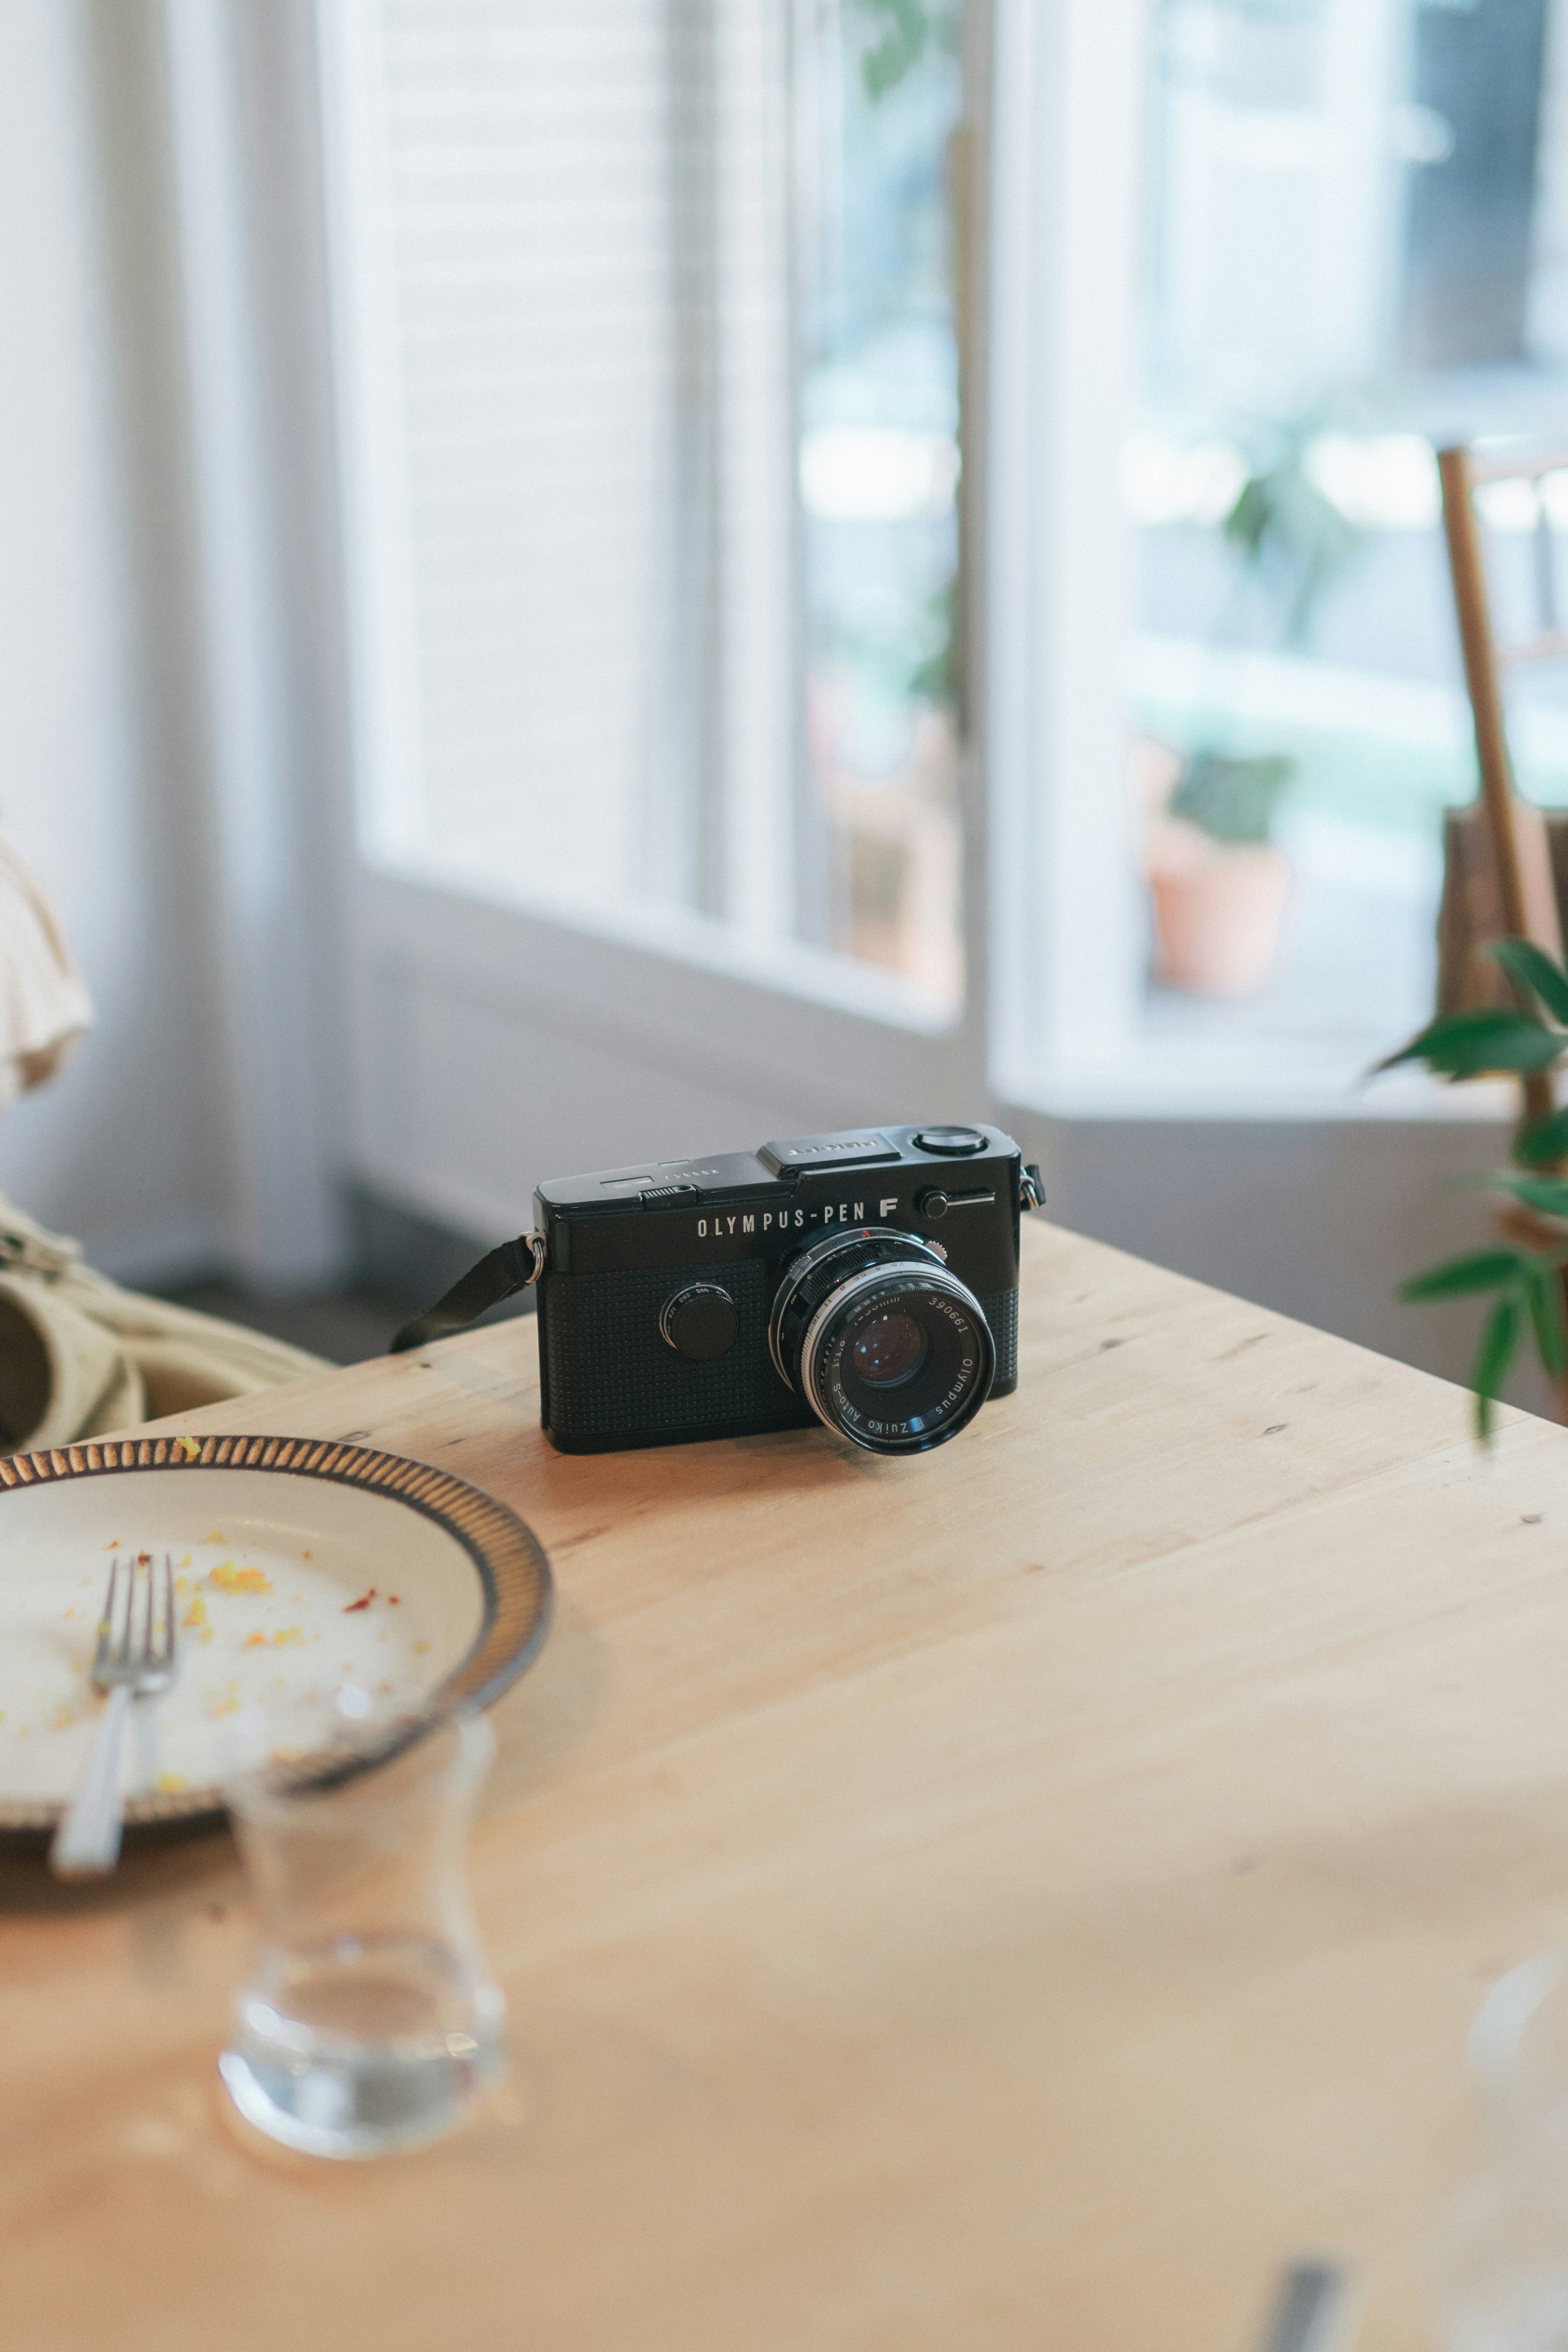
x,y
1318,1221
95,783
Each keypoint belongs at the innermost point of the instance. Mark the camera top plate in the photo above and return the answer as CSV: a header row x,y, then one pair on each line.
x,y
789,1193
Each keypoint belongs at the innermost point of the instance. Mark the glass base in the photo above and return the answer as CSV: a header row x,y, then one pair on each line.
x,y
325,2091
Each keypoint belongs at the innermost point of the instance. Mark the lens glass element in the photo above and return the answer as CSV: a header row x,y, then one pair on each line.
x,y
881,1339
888,1350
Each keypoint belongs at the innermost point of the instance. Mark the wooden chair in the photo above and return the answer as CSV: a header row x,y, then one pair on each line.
x,y
1505,864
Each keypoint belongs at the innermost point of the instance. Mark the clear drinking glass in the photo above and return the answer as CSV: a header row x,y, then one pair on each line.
x,y
1501,2265
368,2022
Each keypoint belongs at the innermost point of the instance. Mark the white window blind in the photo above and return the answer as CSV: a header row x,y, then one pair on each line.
x,y
564,257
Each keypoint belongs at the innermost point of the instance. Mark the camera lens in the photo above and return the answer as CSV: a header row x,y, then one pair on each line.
x,y
888,1350
885,1345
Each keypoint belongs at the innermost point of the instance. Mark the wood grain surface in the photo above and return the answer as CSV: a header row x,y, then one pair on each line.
x,y
1010,1898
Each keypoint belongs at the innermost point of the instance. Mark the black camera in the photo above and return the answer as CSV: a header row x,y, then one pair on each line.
x,y
868,1280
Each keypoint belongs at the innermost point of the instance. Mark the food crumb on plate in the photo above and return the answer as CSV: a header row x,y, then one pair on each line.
x,y
226,1577
363,1602
172,1784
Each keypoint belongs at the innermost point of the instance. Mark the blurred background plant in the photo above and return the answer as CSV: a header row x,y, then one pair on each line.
x,y
1292,537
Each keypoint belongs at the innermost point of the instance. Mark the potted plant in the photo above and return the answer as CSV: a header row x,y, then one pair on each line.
x,y
1523,1273
1218,883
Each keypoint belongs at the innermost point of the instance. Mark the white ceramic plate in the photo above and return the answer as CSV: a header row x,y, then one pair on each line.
x,y
302,1565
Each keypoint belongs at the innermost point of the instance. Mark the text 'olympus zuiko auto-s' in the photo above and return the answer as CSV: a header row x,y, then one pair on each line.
x,y
866,1280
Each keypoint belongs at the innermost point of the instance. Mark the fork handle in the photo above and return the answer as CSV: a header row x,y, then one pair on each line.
x,y
87,1842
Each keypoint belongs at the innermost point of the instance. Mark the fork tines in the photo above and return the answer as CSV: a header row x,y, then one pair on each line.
x,y
117,1640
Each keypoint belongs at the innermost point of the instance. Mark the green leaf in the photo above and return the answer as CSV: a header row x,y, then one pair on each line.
x,y
1499,1337
1232,800
1539,1146
1533,969
1481,1270
1547,1193
1466,1044
1546,1313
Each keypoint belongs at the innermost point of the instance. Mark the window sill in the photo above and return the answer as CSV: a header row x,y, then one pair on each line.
x,y
677,936
1193,1083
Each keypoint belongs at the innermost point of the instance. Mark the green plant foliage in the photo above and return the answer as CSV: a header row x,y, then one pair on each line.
x,y
1547,1314
1499,1338
1475,1045
903,30
1549,1194
1530,969
1542,1145
1232,800
1530,1283
1458,1276
1283,525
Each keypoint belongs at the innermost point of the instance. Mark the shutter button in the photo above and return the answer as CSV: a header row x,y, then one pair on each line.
x,y
951,1142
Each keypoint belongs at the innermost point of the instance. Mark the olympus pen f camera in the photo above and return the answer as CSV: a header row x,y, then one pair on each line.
x,y
866,1280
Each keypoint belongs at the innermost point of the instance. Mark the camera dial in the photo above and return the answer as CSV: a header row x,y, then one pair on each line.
x,y
886,1346
699,1322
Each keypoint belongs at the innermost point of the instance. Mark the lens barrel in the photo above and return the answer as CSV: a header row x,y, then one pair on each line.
x,y
885,1345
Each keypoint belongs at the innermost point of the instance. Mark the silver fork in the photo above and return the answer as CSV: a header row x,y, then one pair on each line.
x,y
135,1658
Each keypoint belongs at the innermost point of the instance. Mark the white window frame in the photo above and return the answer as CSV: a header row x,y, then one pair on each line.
x,y
1067,1039
745,1028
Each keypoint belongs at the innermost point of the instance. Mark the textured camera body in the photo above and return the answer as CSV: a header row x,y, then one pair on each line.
x,y
635,1259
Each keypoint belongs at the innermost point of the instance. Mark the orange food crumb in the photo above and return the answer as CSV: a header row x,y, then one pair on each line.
x,y
196,1615
224,1707
287,1634
393,1598
420,1648
363,1602
190,1447
226,1577
307,1555
255,1642
217,1536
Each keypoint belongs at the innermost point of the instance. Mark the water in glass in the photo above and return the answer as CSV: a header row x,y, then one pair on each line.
x,y
368,2022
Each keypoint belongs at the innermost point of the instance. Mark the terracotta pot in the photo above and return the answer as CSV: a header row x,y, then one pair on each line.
x,y
1217,909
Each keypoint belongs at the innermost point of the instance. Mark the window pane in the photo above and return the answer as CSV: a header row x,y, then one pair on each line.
x,y
882,109
1357,235
657,393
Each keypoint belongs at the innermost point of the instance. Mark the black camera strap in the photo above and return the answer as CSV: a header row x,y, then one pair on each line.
x,y
506,1270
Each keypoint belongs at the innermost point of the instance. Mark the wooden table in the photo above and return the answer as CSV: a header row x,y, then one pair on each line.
x,y
1012,1898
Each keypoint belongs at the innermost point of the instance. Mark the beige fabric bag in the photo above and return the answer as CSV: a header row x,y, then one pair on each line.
x,y
44,1004
80,1356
